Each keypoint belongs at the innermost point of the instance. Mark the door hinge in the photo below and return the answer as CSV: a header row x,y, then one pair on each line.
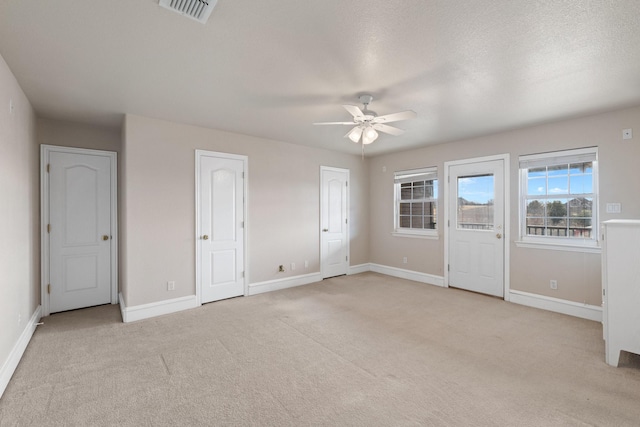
x,y
346,221
242,224
346,183
49,288
243,175
346,258
48,167
448,223
448,267
449,179
48,228
243,274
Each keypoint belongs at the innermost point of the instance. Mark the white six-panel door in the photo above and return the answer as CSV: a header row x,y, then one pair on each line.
x,y
79,229
221,225
334,237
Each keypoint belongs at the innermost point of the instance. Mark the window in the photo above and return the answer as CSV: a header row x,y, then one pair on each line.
x,y
416,201
559,197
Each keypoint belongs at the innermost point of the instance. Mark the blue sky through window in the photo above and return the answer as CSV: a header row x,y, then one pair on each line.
x,y
478,189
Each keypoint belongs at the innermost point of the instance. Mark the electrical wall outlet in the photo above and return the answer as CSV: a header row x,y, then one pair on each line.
x,y
404,260
627,133
306,264
553,284
171,285
293,266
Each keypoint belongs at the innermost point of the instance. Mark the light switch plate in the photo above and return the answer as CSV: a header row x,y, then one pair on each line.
x,y
613,207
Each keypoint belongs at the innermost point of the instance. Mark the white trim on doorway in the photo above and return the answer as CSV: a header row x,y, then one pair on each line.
x,y
245,160
507,218
45,151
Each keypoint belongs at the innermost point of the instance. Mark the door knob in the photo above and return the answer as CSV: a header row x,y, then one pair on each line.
x,y
499,236
105,237
325,230
205,237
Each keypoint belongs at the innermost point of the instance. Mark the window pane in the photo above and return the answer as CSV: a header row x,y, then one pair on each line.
x,y
429,222
405,208
416,222
537,172
537,186
416,208
557,218
535,226
558,185
580,207
580,228
428,190
418,190
581,168
582,184
405,193
405,221
558,170
475,202
536,208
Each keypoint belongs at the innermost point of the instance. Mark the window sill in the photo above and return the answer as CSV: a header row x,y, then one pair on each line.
x,y
559,247
415,235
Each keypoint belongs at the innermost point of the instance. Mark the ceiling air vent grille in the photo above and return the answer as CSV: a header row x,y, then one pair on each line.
x,y
194,9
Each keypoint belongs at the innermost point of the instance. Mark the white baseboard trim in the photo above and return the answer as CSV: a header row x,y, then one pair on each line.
x,y
408,274
288,282
145,311
584,311
10,365
360,268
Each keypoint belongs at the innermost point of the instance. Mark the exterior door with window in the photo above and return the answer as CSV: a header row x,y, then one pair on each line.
x,y
476,243
334,238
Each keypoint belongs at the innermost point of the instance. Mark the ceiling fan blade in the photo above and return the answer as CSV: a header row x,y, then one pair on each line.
x,y
388,129
335,123
396,117
354,110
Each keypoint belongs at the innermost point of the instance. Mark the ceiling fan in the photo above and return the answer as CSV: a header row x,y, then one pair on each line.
x,y
367,123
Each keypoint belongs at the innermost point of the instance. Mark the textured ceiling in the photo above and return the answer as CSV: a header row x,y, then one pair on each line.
x,y
272,68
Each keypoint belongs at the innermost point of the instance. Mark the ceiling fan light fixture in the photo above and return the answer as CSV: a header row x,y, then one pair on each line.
x,y
369,136
355,134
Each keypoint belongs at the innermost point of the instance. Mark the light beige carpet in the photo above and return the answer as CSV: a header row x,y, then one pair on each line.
x,y
366,350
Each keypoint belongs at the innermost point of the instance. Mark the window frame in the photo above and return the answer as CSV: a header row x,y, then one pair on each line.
x,y
556,158
422,174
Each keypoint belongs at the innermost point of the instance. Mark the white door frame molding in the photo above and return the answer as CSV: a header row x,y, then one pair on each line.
x,y
245,161
448,219
322,249
45,151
